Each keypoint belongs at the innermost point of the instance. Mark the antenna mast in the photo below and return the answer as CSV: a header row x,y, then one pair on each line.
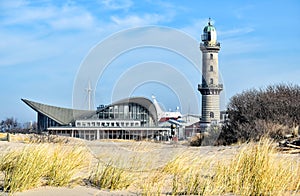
x,y
89,91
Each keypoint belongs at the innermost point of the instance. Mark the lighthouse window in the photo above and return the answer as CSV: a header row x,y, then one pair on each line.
x,y
211,81
211,115
211,68
211,56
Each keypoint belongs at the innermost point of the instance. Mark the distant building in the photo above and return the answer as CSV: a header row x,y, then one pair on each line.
x,y
132,118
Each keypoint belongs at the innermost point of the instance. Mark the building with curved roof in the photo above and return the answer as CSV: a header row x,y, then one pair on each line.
x,y
130,118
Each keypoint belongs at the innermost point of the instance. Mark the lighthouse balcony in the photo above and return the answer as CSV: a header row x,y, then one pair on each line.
x,y
210,46
210,87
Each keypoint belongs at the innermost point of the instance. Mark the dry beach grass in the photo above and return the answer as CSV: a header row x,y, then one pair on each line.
x,y
147,168
42,164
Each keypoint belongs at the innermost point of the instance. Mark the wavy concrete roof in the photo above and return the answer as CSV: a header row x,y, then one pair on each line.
x,y
63,116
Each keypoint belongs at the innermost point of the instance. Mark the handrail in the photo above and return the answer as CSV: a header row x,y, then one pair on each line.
x,y
217,44
220,86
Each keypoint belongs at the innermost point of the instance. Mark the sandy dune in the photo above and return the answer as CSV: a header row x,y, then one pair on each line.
x,y
150,153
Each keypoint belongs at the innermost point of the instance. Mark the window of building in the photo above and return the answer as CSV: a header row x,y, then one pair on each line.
x,y
211,56
211,68
116,108
211,115
121,108
211,81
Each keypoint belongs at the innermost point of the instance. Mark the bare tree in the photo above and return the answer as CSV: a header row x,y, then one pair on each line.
x,y
10,124
272,111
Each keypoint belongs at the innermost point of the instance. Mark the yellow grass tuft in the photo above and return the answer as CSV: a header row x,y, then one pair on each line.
x,y
151,183
65,163
111,176
189,174
256,170
41,164
23,169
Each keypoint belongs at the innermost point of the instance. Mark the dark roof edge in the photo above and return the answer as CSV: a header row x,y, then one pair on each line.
x,y
33,105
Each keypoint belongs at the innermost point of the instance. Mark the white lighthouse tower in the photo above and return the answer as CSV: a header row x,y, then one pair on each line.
x,y
210,88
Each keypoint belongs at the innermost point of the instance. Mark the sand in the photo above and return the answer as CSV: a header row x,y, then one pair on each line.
x,y
76,191
158,154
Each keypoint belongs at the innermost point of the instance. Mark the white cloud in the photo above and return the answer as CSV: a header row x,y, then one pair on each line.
x,y
135,20
35,31
25,15
53,17
72,18
236,31
241,45
232,35
84,21
12,4
22,49
196,28
32,31
165,12
241,12
117,4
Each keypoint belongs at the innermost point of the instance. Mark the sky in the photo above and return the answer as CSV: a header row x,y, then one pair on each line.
x,y
43,44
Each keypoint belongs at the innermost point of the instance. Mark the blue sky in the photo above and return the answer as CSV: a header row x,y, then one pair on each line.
x,y
44,42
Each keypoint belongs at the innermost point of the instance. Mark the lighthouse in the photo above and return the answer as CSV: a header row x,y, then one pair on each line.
x,y
210,88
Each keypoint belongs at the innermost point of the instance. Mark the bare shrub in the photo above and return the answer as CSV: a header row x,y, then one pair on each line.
x,y
272,111
197,139
207,138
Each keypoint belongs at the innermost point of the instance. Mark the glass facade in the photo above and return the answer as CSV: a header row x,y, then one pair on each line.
x,y
44,122
126,111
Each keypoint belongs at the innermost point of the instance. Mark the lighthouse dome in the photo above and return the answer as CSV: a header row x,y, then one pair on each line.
x,y
209,34
209,28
